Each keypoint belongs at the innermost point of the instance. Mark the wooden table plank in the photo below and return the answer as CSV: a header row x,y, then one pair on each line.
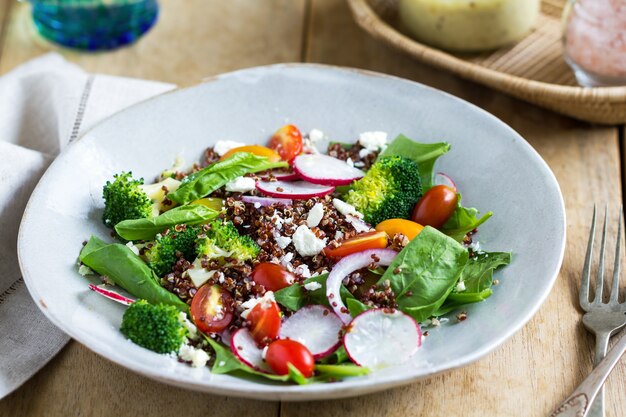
x,y
193,39
543,362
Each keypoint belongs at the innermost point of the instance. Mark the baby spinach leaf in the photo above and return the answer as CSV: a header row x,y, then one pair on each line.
x,y
424,154
463,221
338,356
427,271
355,307
296,296
147,229
127,270
214,176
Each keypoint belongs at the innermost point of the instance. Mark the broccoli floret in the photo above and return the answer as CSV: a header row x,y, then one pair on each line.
x,y
389,190
126,198
155,327
178,241
222,240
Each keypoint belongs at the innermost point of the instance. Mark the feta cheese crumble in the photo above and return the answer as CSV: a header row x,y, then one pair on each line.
x,y
191,328
373,141
303,271
85,270
265,302
281,241
241,185
346,209
197,357
133,248
460,286
312,286
315,135
306,243
315,215
223,146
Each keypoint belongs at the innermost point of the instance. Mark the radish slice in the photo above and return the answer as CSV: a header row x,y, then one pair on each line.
x,y
348,265
326,170
266,201
112,295
443,179
283,176
246,350
316,327
381,337
359,225
299,190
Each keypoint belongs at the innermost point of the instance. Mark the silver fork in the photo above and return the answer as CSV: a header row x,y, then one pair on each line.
x,y
602,319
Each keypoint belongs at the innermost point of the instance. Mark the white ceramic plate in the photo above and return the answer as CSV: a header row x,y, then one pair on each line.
x,y
492,165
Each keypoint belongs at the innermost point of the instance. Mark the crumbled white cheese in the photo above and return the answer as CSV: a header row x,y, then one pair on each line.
x,y
241,185
286,257
303,271
257,205
374,141
312,286
85,270
359,164
350,162
475,246
191,328
306,243
133,248
315,135
460,286
363,153
265,301
282,241
338,235
345,208
278,221
223,146
197,357
315,216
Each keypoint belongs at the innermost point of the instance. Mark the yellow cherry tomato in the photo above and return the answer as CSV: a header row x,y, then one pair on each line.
x,y
216,204
258,150
406,227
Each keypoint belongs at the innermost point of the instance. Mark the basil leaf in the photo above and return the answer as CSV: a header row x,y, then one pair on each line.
x,y
214,176
128,271
463,221
296,296
428,269
424,154
147,229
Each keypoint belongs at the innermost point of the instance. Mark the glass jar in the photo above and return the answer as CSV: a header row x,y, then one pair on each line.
x,y
468,25
594,39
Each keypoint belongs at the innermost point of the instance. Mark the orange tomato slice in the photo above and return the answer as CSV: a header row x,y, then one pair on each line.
x,y
358,243
406,227
258,150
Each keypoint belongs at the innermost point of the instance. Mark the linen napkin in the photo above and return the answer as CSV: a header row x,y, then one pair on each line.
x,y
45,104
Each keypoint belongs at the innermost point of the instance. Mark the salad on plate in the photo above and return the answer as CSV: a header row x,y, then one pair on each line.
x,y
278,261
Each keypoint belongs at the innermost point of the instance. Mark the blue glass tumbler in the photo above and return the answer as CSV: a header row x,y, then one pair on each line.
x,y
94,25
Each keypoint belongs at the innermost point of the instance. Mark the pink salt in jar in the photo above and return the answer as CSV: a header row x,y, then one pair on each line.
x,y
594,37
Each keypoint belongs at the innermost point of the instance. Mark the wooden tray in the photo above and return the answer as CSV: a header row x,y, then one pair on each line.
x,y
532,70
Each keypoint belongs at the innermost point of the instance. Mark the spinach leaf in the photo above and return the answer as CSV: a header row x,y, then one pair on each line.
x,y
428,269
341,371
355,307
216,175
147,229
127,270
338,356
463,221
296,296
424,154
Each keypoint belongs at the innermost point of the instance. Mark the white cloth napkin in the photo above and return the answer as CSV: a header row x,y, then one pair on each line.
x,y
45,104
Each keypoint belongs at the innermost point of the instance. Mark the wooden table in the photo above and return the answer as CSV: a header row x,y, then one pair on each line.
x,y
194,39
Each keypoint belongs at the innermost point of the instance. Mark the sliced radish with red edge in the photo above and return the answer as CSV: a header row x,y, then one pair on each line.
x,y
283,175
381,337
246,350
325,170
111,295
266,201
316,327
299,190
444,179
346,266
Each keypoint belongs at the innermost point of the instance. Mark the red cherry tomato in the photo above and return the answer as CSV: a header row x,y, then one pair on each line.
x,y
272,277
435,207
212,309
281,352
264,322
358,243
287,141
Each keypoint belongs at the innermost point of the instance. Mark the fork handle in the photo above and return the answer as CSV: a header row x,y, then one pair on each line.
x,y
577,404
602,344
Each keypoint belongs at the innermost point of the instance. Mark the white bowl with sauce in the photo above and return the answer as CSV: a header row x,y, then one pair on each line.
x,y
469,25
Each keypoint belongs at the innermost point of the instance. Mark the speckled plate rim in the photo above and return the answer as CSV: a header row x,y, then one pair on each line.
x,y
348,388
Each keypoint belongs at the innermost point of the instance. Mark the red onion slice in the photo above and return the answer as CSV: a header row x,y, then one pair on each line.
x,y
444,179
111,295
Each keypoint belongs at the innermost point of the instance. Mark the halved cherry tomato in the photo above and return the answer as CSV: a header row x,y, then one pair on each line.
x,y
271,276
435,207
214,203
264,321
358,243
212,309
281,352
394,226
287,141
256,150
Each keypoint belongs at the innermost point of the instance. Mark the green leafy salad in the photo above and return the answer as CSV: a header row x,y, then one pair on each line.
x,y
281,262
